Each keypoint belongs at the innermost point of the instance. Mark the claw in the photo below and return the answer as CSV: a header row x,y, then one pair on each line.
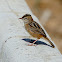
x,y
31,45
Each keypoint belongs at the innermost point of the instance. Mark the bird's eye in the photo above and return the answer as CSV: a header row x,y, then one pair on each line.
x,y
25,18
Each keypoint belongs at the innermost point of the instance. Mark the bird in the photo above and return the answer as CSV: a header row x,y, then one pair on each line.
x,y
34,29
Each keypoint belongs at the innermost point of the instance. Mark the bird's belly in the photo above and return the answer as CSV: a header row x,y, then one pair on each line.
x,y
38,36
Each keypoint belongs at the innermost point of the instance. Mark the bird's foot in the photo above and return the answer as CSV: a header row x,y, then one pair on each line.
x,y
31,45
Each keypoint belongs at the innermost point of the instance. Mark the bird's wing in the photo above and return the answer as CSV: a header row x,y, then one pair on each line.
x,y
36,28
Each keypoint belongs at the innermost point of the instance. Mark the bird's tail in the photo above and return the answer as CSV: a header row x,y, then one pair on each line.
x,y
50,42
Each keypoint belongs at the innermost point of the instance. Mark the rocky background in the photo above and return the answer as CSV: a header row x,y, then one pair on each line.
x,y
54,24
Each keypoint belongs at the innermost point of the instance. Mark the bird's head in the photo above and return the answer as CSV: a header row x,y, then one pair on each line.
x,y
27,18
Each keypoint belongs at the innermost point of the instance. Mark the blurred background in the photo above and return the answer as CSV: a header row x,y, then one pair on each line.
x,y
49,13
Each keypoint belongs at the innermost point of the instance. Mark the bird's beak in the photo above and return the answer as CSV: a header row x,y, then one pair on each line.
x,y
20,18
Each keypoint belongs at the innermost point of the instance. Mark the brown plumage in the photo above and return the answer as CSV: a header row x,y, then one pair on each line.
x,y
34,29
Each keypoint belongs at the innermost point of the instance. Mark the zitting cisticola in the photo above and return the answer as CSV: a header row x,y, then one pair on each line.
x,y
34,29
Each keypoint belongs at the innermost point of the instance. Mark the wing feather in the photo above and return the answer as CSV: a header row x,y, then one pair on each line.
x,y
36,28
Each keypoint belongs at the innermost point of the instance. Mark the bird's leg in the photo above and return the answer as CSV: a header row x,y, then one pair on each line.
x,y
32,43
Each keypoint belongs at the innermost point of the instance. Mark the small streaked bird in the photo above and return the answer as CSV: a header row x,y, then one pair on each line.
x,y
34,29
